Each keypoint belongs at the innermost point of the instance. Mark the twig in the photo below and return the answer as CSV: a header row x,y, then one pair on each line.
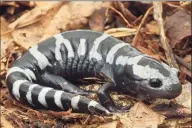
x,y
138,20
121,32
87,119
58,114
121,16
124,10
136,38
166,46
172,5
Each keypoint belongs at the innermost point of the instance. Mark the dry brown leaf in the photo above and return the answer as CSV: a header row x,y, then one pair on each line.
x,y
188,59
141,116
153,28
185,97
148,52
5,123
97,19
109,125
32,16
28,18
178,26
6,39
45,5
33,30
41,26
72,16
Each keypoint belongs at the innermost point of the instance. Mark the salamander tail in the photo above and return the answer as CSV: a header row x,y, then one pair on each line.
x,y
41,97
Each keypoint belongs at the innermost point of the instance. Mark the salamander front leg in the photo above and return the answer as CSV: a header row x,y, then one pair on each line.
x,y
106,100
58,82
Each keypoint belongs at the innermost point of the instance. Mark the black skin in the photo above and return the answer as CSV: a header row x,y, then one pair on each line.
x,y
57,82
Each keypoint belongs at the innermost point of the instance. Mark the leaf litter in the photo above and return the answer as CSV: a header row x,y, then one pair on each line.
x,y
27,23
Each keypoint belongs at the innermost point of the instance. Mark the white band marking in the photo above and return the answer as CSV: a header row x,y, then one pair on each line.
x,y
92,104
122,60
42,95
27,72
41,59
93,53
61,40
82,48
57,98
114,49
16,87
29,93
75,101
30,73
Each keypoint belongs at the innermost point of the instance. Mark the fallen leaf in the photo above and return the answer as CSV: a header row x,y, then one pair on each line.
x,y
141,116
178,26
187,59
185,97
109,125
5,38
32,16
148,52
32,30
5,123
97,20
153,28
72,16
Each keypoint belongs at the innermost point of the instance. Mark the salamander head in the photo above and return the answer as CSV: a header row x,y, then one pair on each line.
x,y
151,79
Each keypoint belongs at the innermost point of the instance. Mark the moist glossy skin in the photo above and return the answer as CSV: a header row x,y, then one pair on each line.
x,y
150,74
43,77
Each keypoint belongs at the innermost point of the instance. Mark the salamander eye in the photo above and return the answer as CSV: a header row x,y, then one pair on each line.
x,y
156,83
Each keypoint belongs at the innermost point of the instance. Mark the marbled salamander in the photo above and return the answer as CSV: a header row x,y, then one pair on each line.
x,y
40,78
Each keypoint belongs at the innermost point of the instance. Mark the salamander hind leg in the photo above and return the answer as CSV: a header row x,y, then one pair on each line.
x,y
58,82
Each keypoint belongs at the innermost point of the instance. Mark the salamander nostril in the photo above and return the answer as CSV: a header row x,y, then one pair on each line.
x,y
156,83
